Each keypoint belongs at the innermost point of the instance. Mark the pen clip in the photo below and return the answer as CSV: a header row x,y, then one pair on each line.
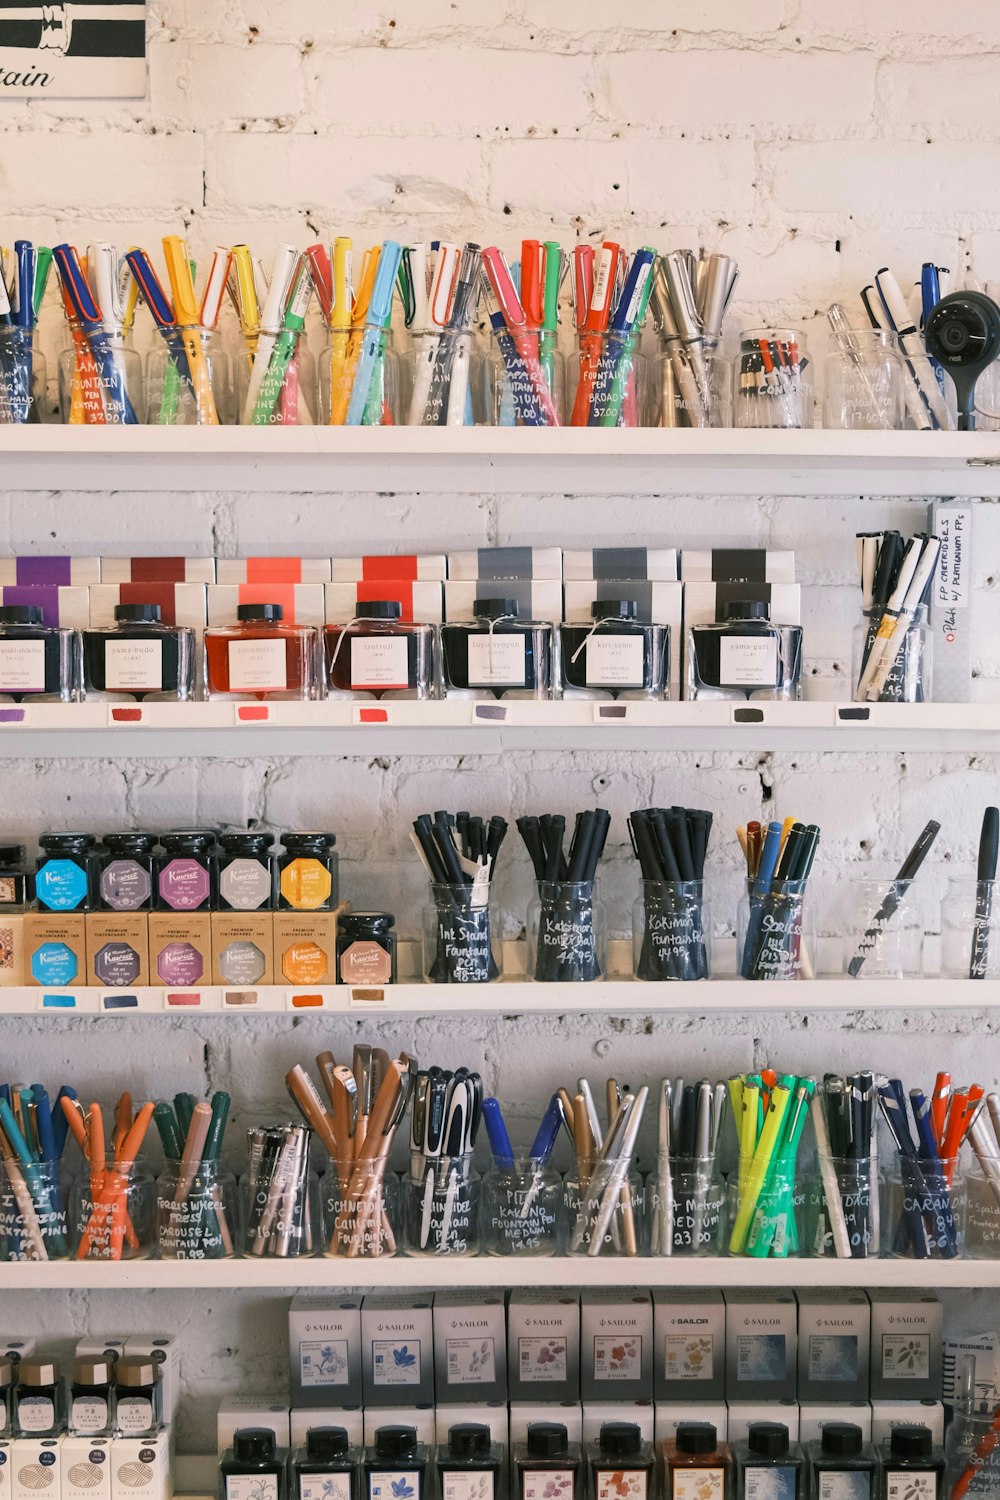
x,y
215,288
531,282
502,284
102,262
75,284
175,253
150,288
443,285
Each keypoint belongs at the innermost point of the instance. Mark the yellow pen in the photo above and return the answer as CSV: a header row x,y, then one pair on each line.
x,y
340,324
749,1101
243,290
186,316
128,290
763,1157
338,408
369,265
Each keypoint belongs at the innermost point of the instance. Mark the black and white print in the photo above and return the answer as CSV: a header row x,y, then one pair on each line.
x,y
73,49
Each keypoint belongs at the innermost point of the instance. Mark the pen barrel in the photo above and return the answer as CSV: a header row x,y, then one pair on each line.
x,y
18,376
567,932
764,1211
461,940
681,398
519,393
607,1214
670,921
196,1216
686,1206
775,934
842,1208
360,1206
441,1198
523,1210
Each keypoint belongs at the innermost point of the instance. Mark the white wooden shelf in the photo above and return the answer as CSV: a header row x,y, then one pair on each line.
x,y
645,461
464,727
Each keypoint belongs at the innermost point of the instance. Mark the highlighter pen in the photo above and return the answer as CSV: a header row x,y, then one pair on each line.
x,y
365,405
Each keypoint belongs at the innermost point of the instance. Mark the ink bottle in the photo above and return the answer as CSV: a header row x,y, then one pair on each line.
x,y
621,1464
139,657
912,1465
37,661
90,1406
260,656
379,655
244,871
6,1396
126,879
496,655
38,1399
395,1465
66,873
15,881
767,1466
469,1466
308,872
618,656
254,1468
744,655
326,1467
547,1464
842,1466
696,1465
137,1396
366,947
184,871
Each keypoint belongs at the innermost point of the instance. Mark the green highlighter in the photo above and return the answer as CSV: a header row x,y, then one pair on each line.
x,y
284,345
554,268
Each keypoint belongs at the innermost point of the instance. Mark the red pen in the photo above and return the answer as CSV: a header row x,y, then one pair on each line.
x,y
583,283
502,285
531,288
322,278
594,325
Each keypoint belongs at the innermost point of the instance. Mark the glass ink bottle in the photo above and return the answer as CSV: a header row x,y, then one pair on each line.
x,y
308,872
696,1465
6,1396
395,1465
66,872
621,1464
38,1399
912,1464
496,655
254,1468
37,661
547,1465
139,657
244,871
767,1465
745,656
184,871
842,1466
618,656
379,655
326,1467
366,947
126,879
90,1405
260,656
469,1465
15,881
137,1396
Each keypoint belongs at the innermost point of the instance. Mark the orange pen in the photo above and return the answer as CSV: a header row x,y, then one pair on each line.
x,y
964,1105
939,1105
123,1121
531,290
594,325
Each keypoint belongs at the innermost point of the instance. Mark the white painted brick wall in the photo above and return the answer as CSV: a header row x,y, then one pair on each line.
x,y
814,142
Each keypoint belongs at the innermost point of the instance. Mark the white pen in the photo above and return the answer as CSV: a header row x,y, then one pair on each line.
x,y
828,1172
632,1112
912,344
914,594
894,604
436,309
282,272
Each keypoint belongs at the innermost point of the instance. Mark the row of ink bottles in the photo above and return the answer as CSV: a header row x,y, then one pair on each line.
x,y
103,1396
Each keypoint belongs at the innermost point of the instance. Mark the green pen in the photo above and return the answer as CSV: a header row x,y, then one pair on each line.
x,y
220,1114
43,265
550,311
166,1123
184,1105
284,345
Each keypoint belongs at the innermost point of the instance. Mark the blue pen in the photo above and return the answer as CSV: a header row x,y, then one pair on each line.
x,y
938,1209
24,313
162,312
627,317
548,1132
769,853
44,1124
496,1134
376,324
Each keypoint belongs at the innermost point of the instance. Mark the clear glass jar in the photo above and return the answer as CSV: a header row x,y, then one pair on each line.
x,y
923,1209
567,932
33,1223
609,380
884,930
863,389
684,400
841,1214
970,929
775,934
523,1210
441,1199
108,391
764,1221
279,1195
521,388
339,367
443,383
379,655
669,925
260,656
139,658
497,655
113,1213
905,676
606,1215
618,656
23,377
686,1206
170,400
360,1204
972,1454
295,405
745,656
38,662
461,940
982,1221
772,379
196,1212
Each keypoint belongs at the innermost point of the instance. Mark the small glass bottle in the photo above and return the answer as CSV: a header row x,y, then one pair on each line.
x,y
126,879
497,655
696,1465
395,1465
618,656
308,872
254,1468
260,656
6,1396
139,657
38,1399
66,873
767,1465
547,1464
469,1467
621,1464
15,881
366,948
244,870
90,1405
745,656
912,1464
380,655
326,1467
37,661
842,1466
137,1396
184,871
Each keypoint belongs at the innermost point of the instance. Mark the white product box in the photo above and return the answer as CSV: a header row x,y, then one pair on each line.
x,y
537,599
324,1349
15,1349
68,607
86,1468
834,1335
658,564
251,1411
155,570
301,603
470,1346
272,570
596,1413
889,1414
62,571
742,1413
906,1354
351,1418
524,1413
616,1344
164,1351
760,1344
425,567
420,602
397,1350
543,1345
668,1415
737,565
111,1346
814,1415
689,1345
142,1468
35,1469
490,563
420,1417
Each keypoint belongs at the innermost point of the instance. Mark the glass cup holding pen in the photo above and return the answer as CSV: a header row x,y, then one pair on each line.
x,y
461,935
23,377
893,643
187,374
444,350
33,1224
885,935
924,1197
522,1195
195,1200
671,917
528,394
566,921
360,375
360,1206
768,1194
279,1194
863,378
441,1193
100,379
772,380
775,939
689,300
605,1198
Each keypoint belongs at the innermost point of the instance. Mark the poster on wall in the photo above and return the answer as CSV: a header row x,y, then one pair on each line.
x,y
73,49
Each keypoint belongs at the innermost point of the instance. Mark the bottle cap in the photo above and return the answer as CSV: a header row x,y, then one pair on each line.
x,y
911,1440
308,841
326,1442
138,614
469,1439
188,840
746,609
91,1371
248,841
53,843
254,1445
395,1442
259,612
614,609
697,1437
135,1370
493,609
6,1371
366,924
11,854
620,1439
21,614
377,609
769,1439
130,841
38,1372
842,1439
547,1440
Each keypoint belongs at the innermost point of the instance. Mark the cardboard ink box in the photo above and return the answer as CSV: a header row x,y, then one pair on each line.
x,y
117,949
272,570
659,565
420,602
142,1468
55,950
397,1350
324,1349
35,1472
889,1414
180,949
737,565
470,1346
905,1346
742,1413
86,1468
251,1411
426,567
536,598
301,603
616,1344
242,948
305,947
543,1345
834,1337
34,572
814,1415
487,564
689,1345
760,1345
13,966
154,570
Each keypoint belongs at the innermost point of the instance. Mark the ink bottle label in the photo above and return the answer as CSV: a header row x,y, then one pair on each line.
x,y
911,1484
245,884
305,963
621,1484
699,1484
496,659
61,885
184,884
905,1356
547,1484
88,1416
117,964
335,1486
323,1362
394,1363
843,1484
833,1356
380,662
614,660
22,666
617,1358
542,1359
242,963
306,884
769,1482
467,1484
180,964
365,963
251,1487
257,666
36,1414
133,666
688,1358
125,885
134,1415
393,1484
471,1361
748,659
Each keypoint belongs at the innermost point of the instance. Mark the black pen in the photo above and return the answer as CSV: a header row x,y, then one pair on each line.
x,y
986,871
911,864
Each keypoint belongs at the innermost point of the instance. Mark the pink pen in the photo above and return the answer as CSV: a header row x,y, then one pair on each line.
x,y
505,292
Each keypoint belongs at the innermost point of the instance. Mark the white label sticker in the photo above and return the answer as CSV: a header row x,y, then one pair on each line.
x,y
542,1359
257,666
833,1356
906,1356
130,665
323,1362
335,1486
134,1415
395,1363
621,1484
614,660
88,1415
688,1356
496,659
748,660
36,1414
617,1357
22,666
380,662
471,1361
467,1484
394,1484
251,1487
911,1484
547,1484
699,1484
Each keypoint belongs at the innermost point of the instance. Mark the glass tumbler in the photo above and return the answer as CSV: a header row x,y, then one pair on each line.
x,y
863,385
360,1201
522,1210
287,397
340,365
884,931
970,929
113,1212
609,376
686,1206
195,1212
23,377
441,1199
982,1222
764,1218
33,1223
605,1214
567,928
524,380
692,392
924,1209
842,1208
170,399
903,674
669,922
106,393
775,935
772,379
460,942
